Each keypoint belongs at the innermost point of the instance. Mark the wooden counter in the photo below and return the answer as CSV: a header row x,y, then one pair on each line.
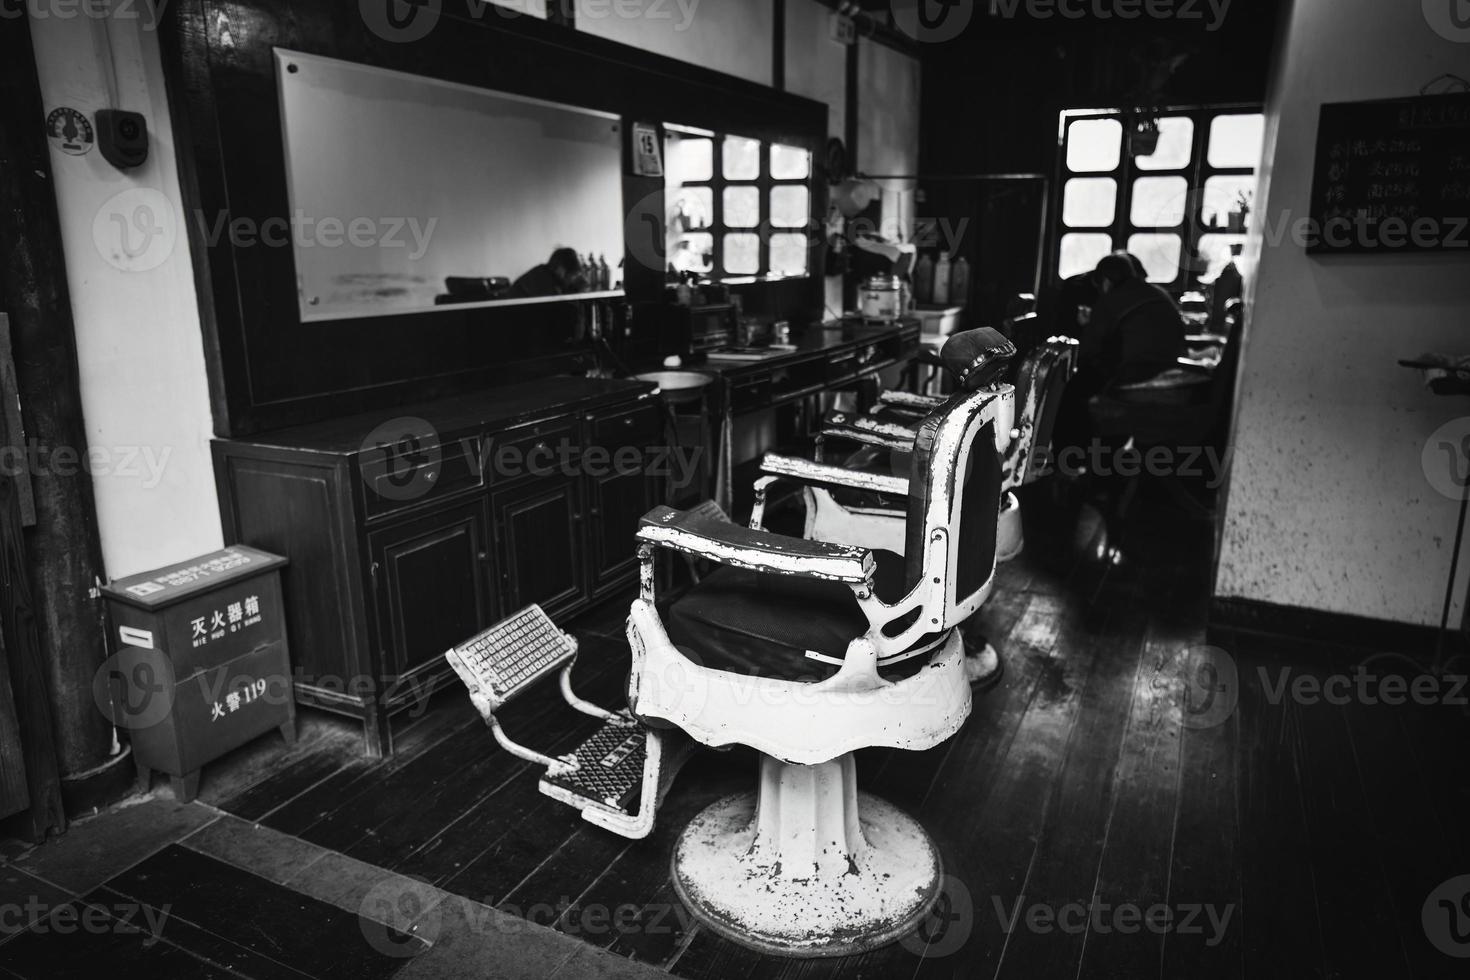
x,y
478,506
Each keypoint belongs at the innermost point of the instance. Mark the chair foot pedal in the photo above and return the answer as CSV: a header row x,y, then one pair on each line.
x,y
622,775
609,769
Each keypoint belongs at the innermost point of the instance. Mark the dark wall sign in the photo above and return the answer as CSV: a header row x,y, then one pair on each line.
x,y
1392,176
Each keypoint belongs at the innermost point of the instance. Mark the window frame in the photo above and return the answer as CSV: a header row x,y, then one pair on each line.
x,y
1197,172
764,183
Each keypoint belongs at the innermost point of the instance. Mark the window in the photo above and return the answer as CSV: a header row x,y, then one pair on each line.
x,y
1179,207
737,206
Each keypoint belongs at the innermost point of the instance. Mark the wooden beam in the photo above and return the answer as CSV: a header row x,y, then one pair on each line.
x,y
61,556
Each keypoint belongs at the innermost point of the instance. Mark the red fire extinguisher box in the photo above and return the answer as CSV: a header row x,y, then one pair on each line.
x,y
200,663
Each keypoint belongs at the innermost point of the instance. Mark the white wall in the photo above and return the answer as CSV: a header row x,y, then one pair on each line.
x,y
732,36
143,383
888,129
816,65
1329,507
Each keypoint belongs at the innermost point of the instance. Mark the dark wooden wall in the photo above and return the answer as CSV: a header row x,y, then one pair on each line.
x,y
268,369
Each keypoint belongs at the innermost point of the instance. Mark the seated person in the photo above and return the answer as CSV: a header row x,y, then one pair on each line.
x,y
562,273
1135,332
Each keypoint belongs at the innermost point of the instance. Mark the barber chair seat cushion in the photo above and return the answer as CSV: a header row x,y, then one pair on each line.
x,y
757,624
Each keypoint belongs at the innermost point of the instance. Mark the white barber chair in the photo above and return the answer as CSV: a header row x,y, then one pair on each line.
x,y
806,651
886,434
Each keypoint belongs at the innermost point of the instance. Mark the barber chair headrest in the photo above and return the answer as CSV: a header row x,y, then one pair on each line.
x,y
977,357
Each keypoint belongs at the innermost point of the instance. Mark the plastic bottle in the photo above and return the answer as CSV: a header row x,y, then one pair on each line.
x,y
924,279
1228,285
942,272
959,282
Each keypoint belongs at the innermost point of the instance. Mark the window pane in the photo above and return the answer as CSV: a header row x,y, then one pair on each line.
x,y
691,159
742,158
1176,145
1089,202
742,207
692,208
1235,141
790,162
1094,144
1214,253
790,207
788,255
1227,203
1159,202
1160,255
693,252
742,254
1079,253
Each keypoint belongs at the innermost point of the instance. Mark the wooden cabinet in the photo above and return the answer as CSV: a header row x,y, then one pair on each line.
x,y
431,588
543,547
493,503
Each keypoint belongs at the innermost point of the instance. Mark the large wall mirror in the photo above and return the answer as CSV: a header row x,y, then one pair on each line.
x,y
410,194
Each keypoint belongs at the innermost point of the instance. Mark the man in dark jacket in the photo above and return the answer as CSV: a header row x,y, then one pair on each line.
x,y
1136,331
562,273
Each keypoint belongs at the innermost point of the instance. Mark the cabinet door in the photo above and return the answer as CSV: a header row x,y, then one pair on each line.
x,y
620,500
542,553
431,582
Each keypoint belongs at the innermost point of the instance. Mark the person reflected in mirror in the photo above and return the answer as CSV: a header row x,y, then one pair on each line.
x,y
557,276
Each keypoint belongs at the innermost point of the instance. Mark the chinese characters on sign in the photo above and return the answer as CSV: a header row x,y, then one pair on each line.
x,y
217,565
236,700
217,625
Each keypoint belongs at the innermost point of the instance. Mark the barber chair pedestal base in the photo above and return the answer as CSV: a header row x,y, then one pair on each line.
x,y
1009,541
807,866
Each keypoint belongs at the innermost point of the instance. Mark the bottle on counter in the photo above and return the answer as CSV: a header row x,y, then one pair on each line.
x,y
942,273
924,279
959,282
604,272
1228,285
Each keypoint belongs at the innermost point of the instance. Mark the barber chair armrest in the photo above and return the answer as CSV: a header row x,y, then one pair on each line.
x,y
1167,386
909,400
762,551
870,431
824,475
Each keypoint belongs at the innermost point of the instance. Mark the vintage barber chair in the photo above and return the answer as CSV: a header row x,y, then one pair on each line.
x,y
886,435
806,651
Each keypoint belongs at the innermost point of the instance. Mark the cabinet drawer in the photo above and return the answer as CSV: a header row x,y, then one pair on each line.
x,y
537,450
405,477
640,426
750,393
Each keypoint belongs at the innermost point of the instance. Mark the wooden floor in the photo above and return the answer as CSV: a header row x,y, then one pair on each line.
x,y
1117,765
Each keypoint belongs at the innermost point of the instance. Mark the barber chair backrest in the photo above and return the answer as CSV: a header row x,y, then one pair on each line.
x,y
1041,381
954,501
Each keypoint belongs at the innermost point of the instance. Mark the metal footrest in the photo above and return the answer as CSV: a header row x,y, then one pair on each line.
x,y
617,777
622,773
609,768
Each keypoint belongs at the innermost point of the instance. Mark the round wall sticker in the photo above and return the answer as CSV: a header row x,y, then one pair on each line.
x,y
70,131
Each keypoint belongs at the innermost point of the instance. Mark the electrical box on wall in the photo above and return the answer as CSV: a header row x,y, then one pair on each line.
x,y
123,137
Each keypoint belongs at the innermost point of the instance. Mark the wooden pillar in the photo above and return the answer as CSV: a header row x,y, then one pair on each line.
x,y
61,552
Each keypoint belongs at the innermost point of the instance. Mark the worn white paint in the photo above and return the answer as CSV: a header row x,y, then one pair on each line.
x,y
1328,505
139,347
807,865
